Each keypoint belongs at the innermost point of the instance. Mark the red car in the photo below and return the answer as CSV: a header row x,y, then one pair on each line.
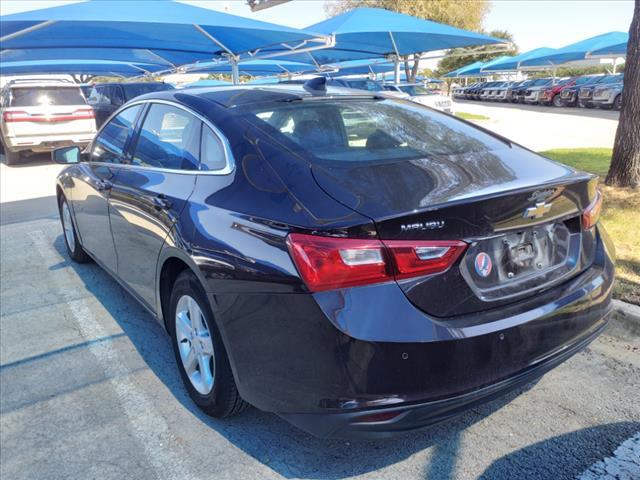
x,y
551,96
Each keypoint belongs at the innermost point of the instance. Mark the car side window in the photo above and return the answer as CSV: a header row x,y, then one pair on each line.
x,y
212,155
97,96
109,145
115,95
169,138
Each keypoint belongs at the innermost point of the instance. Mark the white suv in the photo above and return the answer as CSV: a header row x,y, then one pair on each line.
x,y
422,95
39,116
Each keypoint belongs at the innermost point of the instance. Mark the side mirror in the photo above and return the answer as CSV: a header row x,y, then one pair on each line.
x,y
66,155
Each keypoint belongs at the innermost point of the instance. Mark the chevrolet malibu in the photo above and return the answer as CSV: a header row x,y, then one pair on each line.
x,y
357,264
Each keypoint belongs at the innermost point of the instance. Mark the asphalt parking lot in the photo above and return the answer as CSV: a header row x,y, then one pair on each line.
x,y
89,389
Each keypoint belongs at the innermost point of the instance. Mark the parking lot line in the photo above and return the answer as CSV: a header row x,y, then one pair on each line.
x,y
146,423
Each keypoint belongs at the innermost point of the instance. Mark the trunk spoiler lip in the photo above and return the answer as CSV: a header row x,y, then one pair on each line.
x,y
470,199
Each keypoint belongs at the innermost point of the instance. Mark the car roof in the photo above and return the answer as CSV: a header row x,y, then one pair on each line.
x,y
41,83
239,95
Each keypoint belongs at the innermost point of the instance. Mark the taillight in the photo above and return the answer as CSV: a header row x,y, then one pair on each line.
x,y
327,263
413,259
591,214
83,113
15,116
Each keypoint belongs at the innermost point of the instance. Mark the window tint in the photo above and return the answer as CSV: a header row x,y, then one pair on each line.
x,y
42,96
115,95
212,155
98,96
109,144
169,138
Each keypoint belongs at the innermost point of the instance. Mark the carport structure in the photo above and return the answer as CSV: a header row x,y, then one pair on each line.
x,y
164,31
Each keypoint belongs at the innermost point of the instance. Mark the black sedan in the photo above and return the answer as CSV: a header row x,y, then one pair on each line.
x,y
359,265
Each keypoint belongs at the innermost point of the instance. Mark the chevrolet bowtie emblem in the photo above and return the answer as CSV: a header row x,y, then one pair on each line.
x,y
537,211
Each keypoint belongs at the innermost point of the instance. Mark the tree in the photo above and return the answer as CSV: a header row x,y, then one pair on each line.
x,y
454,59
466,15
625,162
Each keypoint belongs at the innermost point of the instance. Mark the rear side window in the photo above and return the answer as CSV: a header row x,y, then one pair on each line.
x,y
212,156
43,96
371,131
109,144
169,138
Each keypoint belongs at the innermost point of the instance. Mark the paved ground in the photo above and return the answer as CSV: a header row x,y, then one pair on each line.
x,y
89,389
541,128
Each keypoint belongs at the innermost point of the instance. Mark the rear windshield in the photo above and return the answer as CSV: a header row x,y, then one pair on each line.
x,y
135,90
370,130
41,96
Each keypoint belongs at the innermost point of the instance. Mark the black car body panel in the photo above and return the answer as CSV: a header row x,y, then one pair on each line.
x,y
425,348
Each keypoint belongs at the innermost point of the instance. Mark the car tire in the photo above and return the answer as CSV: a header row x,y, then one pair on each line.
x,y
210,383
70,234
10,158
557,101
617,103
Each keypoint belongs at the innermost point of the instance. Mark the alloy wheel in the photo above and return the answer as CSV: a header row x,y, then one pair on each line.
x,y
67,226
195,344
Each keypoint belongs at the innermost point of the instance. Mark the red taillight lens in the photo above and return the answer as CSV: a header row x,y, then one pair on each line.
x,y
591,214
327,263
15,116
415,258
83,113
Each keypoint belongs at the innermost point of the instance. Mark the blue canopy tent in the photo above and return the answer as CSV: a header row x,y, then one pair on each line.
x,y
253,67
510,64
575,52
373,32
90,67
165,58
614,50
470,70
159,26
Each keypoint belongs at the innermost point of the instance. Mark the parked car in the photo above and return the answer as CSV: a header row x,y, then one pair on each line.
x,y
609,94
533,93
420,94
519,92
41,115
106,98
359,265
485,91
499,92
569,94
509,95
551,94
585,94
473,92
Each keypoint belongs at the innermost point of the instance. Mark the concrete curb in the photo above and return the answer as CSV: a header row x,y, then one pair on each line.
x,y
625,320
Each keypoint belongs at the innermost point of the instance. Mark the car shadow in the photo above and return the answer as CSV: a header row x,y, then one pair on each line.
x,y
580,112
270,440
564,456
30,160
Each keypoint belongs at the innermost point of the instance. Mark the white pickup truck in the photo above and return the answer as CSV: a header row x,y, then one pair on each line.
x,y
41,115
422,95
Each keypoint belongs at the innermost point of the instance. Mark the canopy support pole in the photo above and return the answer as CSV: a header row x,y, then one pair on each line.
x,y
32,28
396,60
235,71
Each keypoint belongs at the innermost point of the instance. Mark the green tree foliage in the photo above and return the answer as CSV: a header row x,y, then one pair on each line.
x,y
454,59
457,13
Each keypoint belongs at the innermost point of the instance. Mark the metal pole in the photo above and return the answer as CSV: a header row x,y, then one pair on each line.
x,y
235,72
396,69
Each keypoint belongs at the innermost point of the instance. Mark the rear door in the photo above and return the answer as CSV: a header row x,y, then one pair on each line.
x,y
151,191
92,188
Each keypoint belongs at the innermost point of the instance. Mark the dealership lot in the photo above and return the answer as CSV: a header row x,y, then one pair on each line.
x,y
89,388
541,128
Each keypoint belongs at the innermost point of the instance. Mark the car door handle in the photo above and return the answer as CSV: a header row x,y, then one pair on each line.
x,y
103,185
161,202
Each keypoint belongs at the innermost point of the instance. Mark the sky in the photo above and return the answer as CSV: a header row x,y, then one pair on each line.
x,y
533,23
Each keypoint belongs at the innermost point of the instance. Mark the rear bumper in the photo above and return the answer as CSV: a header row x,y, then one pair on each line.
x,y
323,361
45,143
410,417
